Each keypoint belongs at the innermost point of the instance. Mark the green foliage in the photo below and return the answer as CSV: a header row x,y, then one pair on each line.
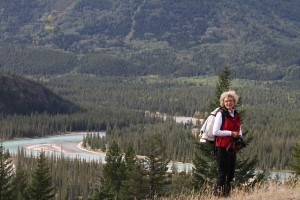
x,y
223,84
155,165
6,177
134,185
45,124
72,178
177,139
295,164
30,60
106,65
151,37
272,136
205,166
246,166
181,183
42,185
113,174
20,183
127,177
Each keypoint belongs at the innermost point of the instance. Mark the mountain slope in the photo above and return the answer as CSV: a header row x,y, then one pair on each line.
x,y
258,38
21,96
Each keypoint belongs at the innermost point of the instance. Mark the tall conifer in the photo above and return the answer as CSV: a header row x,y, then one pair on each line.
x,y
20,183
156,165
223,84
42,186
113,174
6,169
133,186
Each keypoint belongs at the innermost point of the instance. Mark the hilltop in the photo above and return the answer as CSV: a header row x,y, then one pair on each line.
x,y
258,38
21,96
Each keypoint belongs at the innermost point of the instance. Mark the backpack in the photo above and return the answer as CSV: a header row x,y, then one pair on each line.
x,y
206,131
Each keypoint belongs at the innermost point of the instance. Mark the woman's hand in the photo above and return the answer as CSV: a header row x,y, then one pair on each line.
x,y
234,134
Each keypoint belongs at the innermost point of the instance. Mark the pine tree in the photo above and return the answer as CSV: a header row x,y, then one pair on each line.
x,y
41,187
156,165
6,174
113,174
223,84
296,159
181,183
205,165
133,186
20,182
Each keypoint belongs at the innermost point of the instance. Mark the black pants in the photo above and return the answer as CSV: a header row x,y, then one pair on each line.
x,y
226,167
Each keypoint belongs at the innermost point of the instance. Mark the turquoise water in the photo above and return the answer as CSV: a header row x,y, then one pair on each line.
x,y
70,142
66,141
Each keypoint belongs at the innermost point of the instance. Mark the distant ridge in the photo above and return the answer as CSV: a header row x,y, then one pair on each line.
x,y
259,39
21,96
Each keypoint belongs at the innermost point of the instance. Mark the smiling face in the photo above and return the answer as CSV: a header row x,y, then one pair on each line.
x,y
229,102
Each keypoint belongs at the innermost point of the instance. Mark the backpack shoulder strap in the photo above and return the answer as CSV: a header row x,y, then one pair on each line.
x,y
223,115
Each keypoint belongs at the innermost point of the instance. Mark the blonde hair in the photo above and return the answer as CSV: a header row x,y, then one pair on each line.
x,y
230,93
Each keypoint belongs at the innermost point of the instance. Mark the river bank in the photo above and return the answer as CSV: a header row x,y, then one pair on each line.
x,y
66,145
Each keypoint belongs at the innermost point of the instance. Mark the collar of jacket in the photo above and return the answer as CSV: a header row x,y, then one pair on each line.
x,y
226,111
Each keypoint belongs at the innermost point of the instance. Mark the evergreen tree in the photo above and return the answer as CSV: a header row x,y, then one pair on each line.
x,y
181,183
113,174
41,187
296,159
223,84
205,163
245,167
133,186
205,167
20,182
6,175
156,165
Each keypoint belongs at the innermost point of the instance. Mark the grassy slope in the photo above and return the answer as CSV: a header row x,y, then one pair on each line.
x,y
271,190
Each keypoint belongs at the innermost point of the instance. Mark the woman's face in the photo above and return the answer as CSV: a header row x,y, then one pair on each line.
x,y
229,103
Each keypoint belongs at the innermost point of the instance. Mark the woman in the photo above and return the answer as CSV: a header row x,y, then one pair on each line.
x,y
226,127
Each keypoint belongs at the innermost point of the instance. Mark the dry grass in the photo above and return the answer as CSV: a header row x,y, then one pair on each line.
x,y
267,191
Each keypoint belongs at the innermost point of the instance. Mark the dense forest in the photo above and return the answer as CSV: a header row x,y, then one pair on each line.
x,y
72,178
259,39
118,105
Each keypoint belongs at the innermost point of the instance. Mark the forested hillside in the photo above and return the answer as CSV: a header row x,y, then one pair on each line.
x,y
21,96
259,39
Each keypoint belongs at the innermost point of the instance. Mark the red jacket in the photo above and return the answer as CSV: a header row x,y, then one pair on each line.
x,y
230,124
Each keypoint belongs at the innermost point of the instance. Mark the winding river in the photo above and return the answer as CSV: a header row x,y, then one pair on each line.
x,y
67,145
